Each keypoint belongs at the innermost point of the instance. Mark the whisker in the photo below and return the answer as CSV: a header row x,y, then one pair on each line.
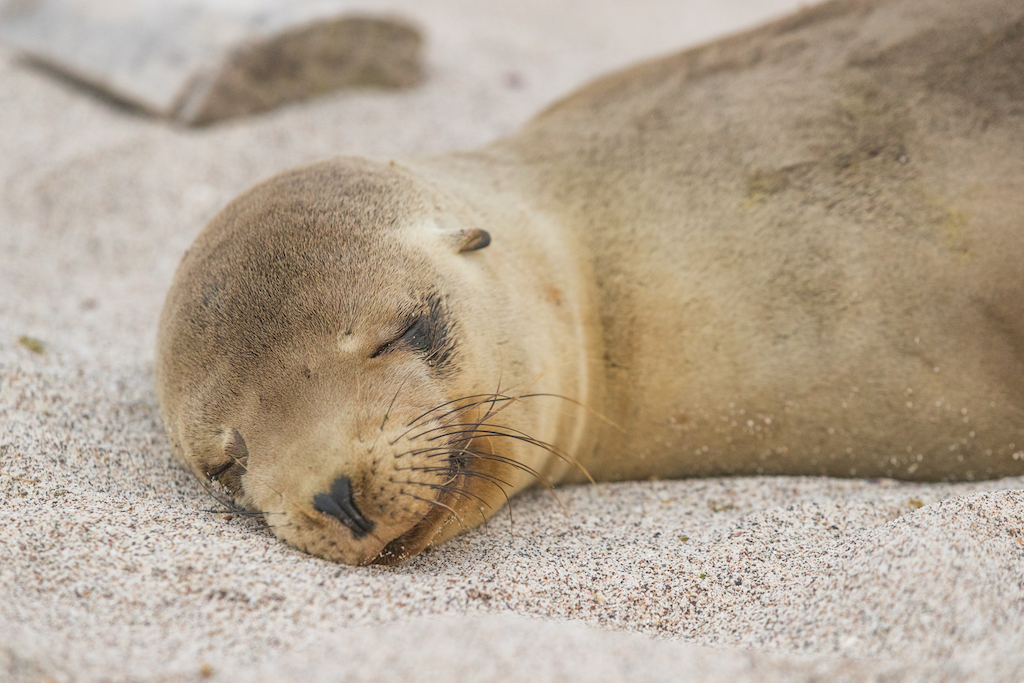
x,y
453,413
507,400
499,397
526,438
443,405
387,413
476,429
448,489
240,513
451,416
595,413
497,484
491,430
489,478
493,457
482,399
470,473
439,504
458,437
481,455
497,391
486,398
487,415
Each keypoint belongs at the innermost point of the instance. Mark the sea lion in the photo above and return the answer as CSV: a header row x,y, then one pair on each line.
x,y
794,251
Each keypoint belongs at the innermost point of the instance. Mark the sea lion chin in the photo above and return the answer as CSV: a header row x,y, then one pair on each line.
x,y
795,251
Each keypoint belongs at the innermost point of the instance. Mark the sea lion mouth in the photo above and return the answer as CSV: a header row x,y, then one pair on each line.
x,y
416,539
413,541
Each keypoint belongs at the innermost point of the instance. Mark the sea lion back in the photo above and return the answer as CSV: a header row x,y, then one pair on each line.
x,y
807,238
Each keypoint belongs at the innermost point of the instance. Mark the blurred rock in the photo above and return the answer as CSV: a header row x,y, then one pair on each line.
x,y
199,62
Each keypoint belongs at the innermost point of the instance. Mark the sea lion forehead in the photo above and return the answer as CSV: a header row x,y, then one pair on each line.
x,y
317,249
337,220
347,200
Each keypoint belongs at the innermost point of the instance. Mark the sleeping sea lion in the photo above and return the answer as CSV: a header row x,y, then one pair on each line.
x,y
796,251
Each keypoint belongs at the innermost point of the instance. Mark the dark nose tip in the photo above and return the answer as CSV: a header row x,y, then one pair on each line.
x,y
340,505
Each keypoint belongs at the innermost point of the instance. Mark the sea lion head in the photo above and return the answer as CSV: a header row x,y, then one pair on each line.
x,y
325,355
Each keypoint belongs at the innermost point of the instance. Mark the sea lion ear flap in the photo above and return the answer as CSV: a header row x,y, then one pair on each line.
x,y
471,239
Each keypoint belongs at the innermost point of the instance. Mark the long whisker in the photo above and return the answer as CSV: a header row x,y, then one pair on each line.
x,y
234,509
580,404
485,428
240,513
443,451
469,473
497,391
497,484
438,451
489,478
511,462
453,415
394,398
413,422
519,436
504,397
449,489
486,398
493,457
458,437
439,504
493,399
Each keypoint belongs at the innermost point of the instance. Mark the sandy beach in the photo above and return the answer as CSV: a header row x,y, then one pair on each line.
x,y
116,565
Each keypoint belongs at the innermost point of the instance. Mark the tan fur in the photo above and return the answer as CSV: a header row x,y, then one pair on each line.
x,y
794,251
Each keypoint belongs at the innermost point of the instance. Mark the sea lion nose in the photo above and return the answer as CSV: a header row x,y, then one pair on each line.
x,y
340,505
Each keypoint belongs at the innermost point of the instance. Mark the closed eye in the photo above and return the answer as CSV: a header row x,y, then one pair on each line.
x,y
416,337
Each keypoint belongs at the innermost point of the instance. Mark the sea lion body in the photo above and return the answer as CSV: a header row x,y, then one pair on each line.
x,y
794,251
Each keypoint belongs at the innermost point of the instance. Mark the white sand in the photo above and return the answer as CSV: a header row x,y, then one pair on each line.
x,y
112,568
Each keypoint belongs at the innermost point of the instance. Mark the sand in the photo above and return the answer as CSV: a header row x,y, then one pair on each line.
x,y
116,566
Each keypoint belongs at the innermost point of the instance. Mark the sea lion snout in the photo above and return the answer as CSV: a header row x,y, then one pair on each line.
x,y
341,505
346,487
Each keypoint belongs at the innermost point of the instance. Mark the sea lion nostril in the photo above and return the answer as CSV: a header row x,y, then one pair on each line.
x,y
340,505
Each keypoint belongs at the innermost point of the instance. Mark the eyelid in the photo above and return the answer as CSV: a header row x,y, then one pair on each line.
x,y
388,346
